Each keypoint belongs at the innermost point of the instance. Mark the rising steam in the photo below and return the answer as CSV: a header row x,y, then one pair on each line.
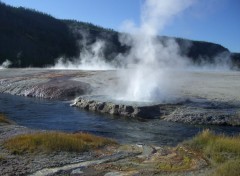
x,y
5,64
149,56
151,61
221,62
91,58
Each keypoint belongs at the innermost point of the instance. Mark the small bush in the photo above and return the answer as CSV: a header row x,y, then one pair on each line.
x,y
3,119
55,141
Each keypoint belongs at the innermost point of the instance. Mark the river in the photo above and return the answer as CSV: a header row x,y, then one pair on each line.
x,y
58,115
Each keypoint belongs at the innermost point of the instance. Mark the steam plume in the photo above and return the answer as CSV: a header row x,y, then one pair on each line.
x,y
220,62
150,56
91,58
5,64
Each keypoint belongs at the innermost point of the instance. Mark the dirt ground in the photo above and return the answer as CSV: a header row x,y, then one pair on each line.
x,y
211,85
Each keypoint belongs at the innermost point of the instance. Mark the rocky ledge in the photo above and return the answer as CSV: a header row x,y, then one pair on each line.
x,y
148,112
185,112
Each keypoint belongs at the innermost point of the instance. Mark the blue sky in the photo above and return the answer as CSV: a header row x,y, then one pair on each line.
x,y
215,21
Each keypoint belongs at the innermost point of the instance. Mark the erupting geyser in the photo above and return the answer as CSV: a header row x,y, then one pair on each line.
x,y
149,57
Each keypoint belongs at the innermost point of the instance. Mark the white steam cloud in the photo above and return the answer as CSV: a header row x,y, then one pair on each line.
x,y
151,62
221,62
91,58
150,57
5,64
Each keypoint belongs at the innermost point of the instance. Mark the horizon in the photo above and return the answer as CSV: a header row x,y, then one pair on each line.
x,y
216,24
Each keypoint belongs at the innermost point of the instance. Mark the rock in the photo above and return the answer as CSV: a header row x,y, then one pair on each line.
x,y
148,150
77,171
148,112
100,106
126,110
113,174
208,114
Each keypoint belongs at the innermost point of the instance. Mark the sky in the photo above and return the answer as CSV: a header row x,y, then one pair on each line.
x,y
216,21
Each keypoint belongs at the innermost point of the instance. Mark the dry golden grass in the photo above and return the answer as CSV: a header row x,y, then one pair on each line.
x,y
222,151
3,119
55,142
182,165
219,148
229,168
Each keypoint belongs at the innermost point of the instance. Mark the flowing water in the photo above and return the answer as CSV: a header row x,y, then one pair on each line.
x,y
58,115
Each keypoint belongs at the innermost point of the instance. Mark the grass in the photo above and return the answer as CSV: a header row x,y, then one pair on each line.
x,y
174,167
222,151
3,119
218,148
229,168
55,142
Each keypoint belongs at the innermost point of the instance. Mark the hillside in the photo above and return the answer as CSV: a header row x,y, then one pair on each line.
x,y
31,38
236,59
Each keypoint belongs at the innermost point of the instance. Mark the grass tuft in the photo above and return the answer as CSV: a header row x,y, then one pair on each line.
x,y
229,168
55,142
3,119
219,148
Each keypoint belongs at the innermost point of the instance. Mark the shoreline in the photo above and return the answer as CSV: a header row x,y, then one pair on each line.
x,y
187,158
106,160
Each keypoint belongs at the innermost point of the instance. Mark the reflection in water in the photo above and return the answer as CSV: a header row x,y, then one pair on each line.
x,y
56,115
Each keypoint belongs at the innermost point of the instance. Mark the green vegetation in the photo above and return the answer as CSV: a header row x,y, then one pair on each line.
x,y
55,142
31,38
222,151
3,119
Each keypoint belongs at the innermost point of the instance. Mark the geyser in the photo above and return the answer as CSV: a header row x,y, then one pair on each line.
x,y
150,57
151,61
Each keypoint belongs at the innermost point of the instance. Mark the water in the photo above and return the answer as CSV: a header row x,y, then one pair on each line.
x,y
57,115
